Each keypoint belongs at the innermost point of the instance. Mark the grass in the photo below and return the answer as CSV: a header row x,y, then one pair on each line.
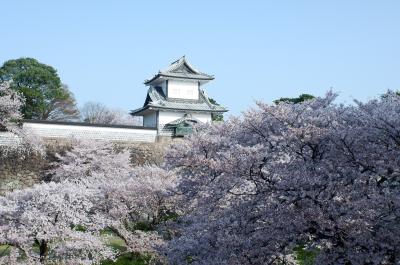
x,y
304,256
129,259
5,250
114,241
118,244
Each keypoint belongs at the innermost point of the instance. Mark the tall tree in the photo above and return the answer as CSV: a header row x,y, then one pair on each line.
x,y
63,109
299,99
46,97
95,112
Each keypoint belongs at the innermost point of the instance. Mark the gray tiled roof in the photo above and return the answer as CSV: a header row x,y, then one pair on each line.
x,y
157,100
181,69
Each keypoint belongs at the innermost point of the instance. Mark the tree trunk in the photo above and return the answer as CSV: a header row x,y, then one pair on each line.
x,y
43,250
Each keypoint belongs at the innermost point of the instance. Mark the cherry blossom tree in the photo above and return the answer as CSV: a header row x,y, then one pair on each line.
x,y
20,141
63,222
90,158
10,105
142,196
92,189
316,175
131,194
109,166
41,223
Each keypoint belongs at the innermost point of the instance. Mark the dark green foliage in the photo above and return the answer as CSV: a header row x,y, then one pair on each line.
x,y
46,97
146,226
80,228
143,226
169,216
386,95
189,259
299,99
216,116
305,256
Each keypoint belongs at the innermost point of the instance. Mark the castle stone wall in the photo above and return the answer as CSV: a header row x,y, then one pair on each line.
x,y
19,172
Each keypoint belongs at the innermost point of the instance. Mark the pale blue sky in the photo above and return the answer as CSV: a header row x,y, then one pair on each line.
x,y
256,49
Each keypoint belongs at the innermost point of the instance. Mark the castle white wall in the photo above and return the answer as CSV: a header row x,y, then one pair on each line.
x,y
92,132
165,117
150,120
183,89
203,117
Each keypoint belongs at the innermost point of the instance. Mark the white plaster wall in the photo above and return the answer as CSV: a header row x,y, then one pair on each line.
x,y
91,132
167,116
203,117
183,89
150,120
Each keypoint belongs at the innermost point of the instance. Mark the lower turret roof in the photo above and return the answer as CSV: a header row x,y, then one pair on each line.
x,y
157,100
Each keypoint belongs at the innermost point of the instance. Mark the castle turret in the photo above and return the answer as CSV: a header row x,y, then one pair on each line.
x,y
176,100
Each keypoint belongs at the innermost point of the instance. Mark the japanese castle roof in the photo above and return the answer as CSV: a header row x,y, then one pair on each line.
x,y
156,100
180,69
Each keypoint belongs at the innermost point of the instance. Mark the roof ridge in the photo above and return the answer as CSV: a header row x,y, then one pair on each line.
x,y
181,69
176,61
178,64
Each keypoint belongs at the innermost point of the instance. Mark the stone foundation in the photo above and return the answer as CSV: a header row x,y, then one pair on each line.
x,y
148,154
17,172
